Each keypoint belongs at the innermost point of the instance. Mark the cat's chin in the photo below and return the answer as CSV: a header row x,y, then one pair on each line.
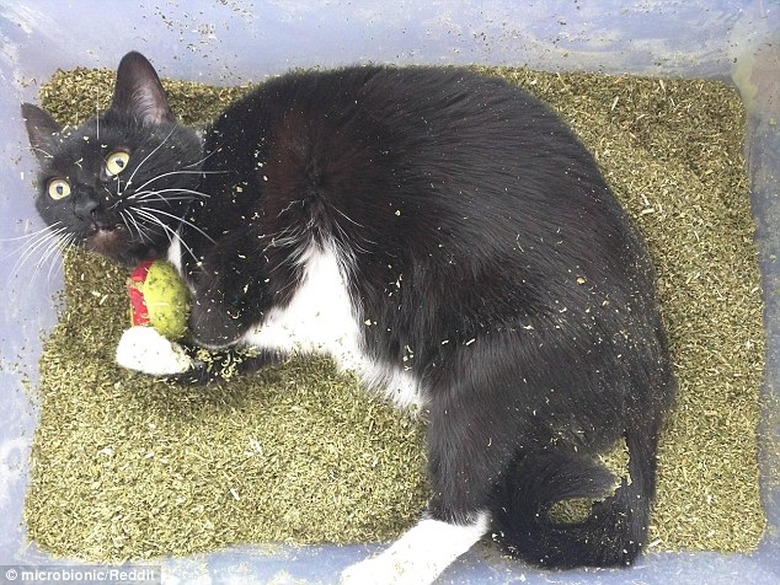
x,y
116,243
107,241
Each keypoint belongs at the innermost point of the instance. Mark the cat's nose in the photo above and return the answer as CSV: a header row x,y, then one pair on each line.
x,y
85,208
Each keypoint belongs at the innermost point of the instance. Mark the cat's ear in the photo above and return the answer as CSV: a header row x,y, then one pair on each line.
x,y
41,127
138,91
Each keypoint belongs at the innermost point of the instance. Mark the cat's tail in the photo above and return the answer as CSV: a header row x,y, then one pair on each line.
x,y
614,532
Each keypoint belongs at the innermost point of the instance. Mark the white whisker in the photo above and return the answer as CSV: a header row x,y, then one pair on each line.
x,y
205,158
130,222
53,254
148,156
39,239
145,195
169,231
44,243
154,196
111,195
34,234
151,211
141,233
124,220
174,173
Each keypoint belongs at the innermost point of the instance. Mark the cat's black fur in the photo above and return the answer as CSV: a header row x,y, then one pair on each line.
x,y
481,247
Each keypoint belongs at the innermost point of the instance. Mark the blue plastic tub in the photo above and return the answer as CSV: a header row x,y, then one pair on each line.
x,y
232,41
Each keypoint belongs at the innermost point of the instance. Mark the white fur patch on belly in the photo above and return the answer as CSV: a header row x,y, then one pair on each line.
x,y
321,318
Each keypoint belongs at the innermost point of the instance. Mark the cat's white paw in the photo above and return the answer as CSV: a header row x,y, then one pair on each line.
x,y
145,350
389,569
420,555
375,571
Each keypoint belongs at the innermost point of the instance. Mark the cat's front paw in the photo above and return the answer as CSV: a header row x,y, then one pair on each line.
x,y
145,350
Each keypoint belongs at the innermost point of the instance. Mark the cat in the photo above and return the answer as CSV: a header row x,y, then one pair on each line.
x,y
441,233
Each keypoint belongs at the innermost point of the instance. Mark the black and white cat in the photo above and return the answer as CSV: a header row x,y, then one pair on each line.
x,y
442,234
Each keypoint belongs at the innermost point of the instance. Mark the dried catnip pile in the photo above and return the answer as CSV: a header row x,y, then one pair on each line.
x,y
128,467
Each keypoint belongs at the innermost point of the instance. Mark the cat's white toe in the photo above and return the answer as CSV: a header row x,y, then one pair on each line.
x,y
144,349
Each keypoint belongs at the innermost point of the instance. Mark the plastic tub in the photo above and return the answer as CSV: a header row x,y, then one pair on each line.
x,y
232,41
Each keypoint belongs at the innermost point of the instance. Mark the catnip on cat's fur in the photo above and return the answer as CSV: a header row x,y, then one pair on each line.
x,y
442,234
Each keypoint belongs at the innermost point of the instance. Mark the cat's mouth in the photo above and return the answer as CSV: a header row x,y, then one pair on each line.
x,y
116,241
105,238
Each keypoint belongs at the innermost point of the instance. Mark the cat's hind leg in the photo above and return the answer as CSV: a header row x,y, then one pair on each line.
x,y
465,457
420,555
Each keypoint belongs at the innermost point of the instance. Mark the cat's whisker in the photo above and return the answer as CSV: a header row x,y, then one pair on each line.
x,y
150,200
116,203
52,255
139,228
148,156
49,253
154,197
148,197
207,157
174,173
34,240
43,243
170,232
127,218
25,237
124,220
142,196
188,191
46,253
151,211
153,194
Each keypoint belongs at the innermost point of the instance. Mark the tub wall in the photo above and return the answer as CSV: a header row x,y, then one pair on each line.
x,y
233,41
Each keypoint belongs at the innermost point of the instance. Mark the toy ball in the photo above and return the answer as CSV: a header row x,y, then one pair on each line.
x,y
159,298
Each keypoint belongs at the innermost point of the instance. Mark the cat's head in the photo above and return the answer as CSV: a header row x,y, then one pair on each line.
x,y
120,183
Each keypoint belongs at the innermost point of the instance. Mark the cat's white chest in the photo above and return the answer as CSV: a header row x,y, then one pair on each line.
x,y
321,318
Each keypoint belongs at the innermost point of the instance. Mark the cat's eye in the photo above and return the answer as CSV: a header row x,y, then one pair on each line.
x,y
117,162
58,189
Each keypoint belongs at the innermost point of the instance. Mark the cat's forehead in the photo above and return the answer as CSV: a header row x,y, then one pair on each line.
x,y
103,132
84,149
95,137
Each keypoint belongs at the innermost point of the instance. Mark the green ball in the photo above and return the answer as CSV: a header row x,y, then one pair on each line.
x,y
159,298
